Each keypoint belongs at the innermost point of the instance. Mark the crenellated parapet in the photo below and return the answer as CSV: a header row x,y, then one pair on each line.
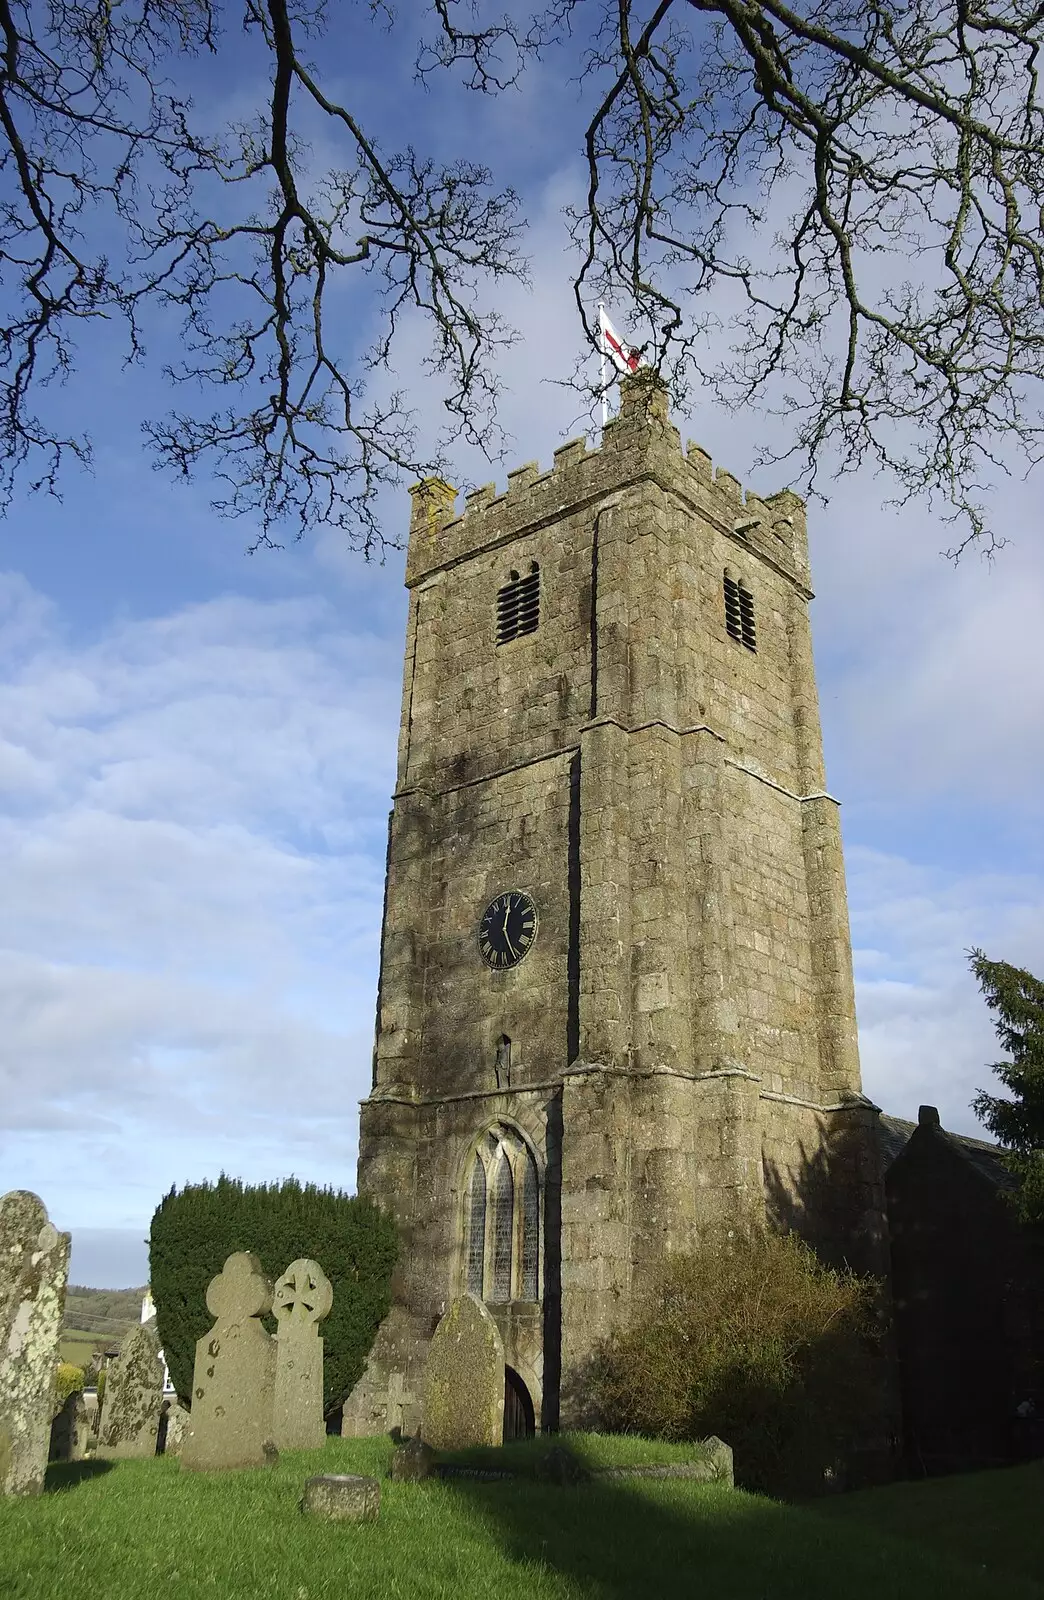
x,y
640,442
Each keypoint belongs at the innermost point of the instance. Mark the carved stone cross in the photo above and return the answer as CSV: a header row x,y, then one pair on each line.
x,y
303,1297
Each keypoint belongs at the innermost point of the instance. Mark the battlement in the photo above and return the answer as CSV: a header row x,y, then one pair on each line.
x,y
638,443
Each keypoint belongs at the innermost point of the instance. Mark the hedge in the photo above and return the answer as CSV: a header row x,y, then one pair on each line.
x,y
194,1231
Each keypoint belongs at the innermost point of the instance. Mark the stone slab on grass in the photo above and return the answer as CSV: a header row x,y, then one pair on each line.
x,y
561,1465
342,1497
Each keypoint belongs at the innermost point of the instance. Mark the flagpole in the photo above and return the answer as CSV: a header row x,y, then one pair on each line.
x,y
601,353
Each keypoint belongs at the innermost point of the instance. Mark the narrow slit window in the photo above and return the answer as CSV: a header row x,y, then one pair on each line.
x,y
518,605
475,1238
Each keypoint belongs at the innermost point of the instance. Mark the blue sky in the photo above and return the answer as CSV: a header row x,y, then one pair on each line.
x,y
197,754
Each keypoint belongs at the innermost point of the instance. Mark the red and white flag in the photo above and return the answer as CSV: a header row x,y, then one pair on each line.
x,y
621,355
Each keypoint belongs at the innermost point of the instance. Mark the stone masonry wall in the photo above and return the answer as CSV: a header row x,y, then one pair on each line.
x,y
683,1029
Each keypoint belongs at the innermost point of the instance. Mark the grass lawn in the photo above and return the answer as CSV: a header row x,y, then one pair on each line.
x,y
78,1347
990,1521
140,1529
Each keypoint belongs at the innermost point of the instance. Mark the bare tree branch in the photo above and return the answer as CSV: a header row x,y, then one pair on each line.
x,y
858,189
233,234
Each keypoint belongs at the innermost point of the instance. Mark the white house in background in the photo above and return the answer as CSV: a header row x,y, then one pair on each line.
x,y
148,1312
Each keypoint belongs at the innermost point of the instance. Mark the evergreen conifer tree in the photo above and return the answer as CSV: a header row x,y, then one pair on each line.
x,y
194,1232
1017,998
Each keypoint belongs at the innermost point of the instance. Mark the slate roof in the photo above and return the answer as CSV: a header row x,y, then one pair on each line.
x,y
986,1158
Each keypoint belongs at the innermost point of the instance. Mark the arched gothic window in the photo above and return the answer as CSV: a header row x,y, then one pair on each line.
x,y
502,1220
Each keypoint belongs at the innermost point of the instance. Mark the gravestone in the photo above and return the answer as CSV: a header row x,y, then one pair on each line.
x,y
412,1461
70,1430
34,1266
234,1374
133,1397
177,1423
464,1379
93,1407
303,1297
342,1497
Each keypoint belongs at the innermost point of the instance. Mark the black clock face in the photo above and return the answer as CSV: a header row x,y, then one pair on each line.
x,y
507,929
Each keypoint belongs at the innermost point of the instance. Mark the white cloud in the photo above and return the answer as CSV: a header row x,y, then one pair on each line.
x,y
925,1032
192,853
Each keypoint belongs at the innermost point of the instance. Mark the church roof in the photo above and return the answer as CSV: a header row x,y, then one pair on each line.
x,y
985,1158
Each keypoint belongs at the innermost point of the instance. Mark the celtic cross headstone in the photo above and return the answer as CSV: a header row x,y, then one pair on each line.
x,y
303,1297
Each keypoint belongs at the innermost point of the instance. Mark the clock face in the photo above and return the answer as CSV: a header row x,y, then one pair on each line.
x,y
507,929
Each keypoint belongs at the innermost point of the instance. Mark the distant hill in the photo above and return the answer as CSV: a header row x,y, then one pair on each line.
x,y
96,1319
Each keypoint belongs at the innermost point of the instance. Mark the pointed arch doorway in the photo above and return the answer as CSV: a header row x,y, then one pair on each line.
x,y
519,1419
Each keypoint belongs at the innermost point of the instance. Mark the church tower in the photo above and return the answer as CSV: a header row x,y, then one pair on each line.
x,y
616,1004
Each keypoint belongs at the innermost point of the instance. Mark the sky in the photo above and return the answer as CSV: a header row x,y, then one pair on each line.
x,y
197,755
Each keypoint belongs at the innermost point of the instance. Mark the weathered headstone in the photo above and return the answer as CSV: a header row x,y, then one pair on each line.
x,y
70,1430
412,1461
177,1424
34,1266
303,1297
133,1396
234,1374
93,1409
342,1497
464,1379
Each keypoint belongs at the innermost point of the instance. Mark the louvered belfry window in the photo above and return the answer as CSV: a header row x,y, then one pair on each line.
x,y
501,1257
518,605
739,611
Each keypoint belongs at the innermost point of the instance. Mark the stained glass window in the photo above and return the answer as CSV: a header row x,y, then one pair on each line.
x,y
475,1227
502,1220
530,1228
503,1227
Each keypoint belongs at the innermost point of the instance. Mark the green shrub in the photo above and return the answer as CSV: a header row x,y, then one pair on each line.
x,y
754,1340
193,1232
67,1379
